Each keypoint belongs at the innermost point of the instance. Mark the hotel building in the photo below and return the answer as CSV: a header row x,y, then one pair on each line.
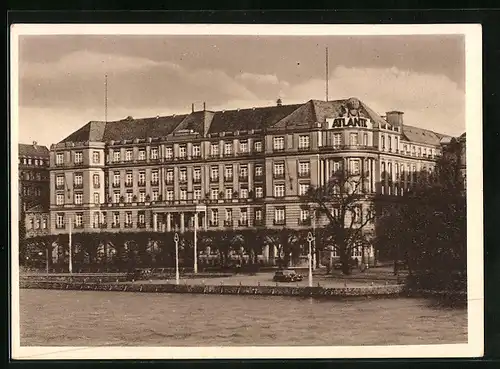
x,y
228,169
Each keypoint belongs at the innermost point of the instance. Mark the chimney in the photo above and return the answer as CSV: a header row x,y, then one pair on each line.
x,y
279,102
35,143
395,118
192,108
204,106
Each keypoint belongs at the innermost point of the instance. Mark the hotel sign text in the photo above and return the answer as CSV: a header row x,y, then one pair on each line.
x,y
348,122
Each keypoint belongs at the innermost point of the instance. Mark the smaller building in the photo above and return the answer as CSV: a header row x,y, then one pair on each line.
x,y
34,188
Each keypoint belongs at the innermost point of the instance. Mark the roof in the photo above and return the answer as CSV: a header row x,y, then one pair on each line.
x,y
294,116
33,151
420,135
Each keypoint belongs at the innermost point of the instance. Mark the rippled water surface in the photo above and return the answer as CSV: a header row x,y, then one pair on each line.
x,y
82,318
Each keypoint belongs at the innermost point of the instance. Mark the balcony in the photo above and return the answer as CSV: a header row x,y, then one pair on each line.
x,y
228,178
279,175
60,226
304,222
155,159
258,178
59,187
244,153
115,225
141,183
305,174
129,225
129,184
154,183
197,180
243,178
78,186
116,185
183,180
243,222
228,223
304,148
213,223
214,179
169,157
141,225
279,222
97,185
78,163
278,149
103,225
59,164
258,222
214,156
78,226
169,181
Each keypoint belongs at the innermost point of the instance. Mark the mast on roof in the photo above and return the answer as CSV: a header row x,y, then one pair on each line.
x,y
326,70
106,97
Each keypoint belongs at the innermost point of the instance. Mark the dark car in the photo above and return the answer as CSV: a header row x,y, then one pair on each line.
x,y
287,275
139,274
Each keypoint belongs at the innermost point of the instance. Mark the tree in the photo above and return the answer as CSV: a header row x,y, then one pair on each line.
x,y
348,210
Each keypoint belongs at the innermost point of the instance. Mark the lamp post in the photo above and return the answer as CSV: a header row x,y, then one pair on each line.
x,y
70,262
195,266
310,239
314,239
176,240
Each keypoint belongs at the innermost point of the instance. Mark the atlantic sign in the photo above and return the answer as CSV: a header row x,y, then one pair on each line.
x,y
349,122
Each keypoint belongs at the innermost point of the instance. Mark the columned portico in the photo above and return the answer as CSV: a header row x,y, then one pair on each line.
x,y
174,218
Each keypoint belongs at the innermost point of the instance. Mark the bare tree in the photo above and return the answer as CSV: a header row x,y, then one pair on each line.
x,y
348,209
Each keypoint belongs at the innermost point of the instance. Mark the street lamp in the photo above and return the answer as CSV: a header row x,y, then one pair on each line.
x,y
310,239
176,240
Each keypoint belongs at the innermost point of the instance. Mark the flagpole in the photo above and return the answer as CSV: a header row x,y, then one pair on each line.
x,y
70,266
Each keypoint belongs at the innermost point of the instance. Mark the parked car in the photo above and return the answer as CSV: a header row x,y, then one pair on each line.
x,y
139,274
287,275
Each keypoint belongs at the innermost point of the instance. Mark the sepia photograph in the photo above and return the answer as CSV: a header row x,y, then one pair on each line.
x,y
246,191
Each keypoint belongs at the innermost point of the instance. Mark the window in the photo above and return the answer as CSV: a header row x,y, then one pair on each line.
x,y
196,174
214,193
303,188
425,151
257,146
142,178
155,195
419,151
228,172
96,220
214,149
229,193
279,215
170,176
258,214
116,197
170,195
304,169
128,218
243,172
405,148
383,142
142,154
355,166
183,175
228,148
357,214
258,170
215,216
116,156
141,217
78,157
337,139
259,192
396,146
96,157
182,151
279,143
128,155
60,220
197,194
154,177
279,169
214,173
243,146
95,180
244,193
97,199
142,196
279,190
353,139
169,153
44,223
128,179
78,198
78,180
229,215
154,153
59,199
389,143
60,181
129,197
116,178
303,142
183,194
116,219
304,214
59,159
243,215
365,139
196,151
78,220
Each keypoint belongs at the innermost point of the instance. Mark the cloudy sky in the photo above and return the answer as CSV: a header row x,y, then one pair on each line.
x,y
61,78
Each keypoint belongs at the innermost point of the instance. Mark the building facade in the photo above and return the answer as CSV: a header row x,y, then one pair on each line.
x,y
34,188
228,169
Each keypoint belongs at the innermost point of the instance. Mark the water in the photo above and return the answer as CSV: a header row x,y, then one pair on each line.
x,y
83,318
